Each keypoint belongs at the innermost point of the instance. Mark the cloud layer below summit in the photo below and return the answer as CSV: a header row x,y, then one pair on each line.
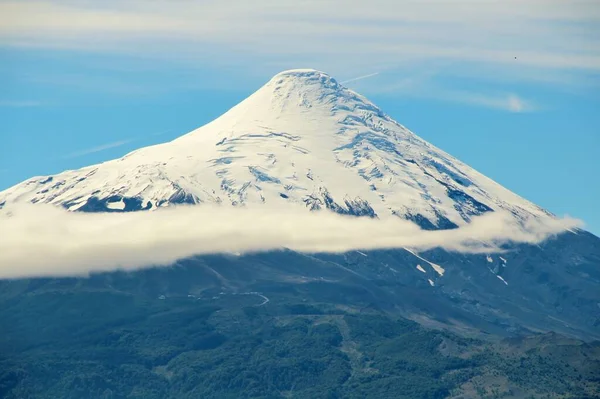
x,y
42,240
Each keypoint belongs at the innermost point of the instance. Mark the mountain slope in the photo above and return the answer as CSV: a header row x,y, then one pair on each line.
x,y
271,325
301,139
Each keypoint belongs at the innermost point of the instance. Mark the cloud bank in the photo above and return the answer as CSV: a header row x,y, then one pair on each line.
x,y
42,240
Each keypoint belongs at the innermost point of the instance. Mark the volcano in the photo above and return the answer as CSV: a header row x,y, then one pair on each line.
x,y
304,140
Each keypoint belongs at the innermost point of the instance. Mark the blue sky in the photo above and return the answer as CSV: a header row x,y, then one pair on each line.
x,y
511,88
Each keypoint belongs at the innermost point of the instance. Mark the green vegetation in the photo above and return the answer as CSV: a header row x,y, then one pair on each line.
x,y
61,340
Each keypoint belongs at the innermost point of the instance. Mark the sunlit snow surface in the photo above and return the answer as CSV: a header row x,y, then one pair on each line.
x,y
119,205
501,278
440,270
301,140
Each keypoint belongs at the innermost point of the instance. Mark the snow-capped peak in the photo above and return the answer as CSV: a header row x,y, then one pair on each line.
x,y
291,94
303,139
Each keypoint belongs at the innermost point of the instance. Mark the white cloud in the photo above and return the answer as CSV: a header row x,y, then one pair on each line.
x,y
42,240
98,148
508,102
423,85
362,77
325,34
516,104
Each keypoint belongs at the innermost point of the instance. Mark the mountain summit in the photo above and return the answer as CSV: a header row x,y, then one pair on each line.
x,y
302,139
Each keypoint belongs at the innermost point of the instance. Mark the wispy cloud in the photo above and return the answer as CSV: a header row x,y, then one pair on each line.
x,y
162,132
424,84
517,104
360,78
508,102
517,36
99,148
114,144
43,240
20,104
